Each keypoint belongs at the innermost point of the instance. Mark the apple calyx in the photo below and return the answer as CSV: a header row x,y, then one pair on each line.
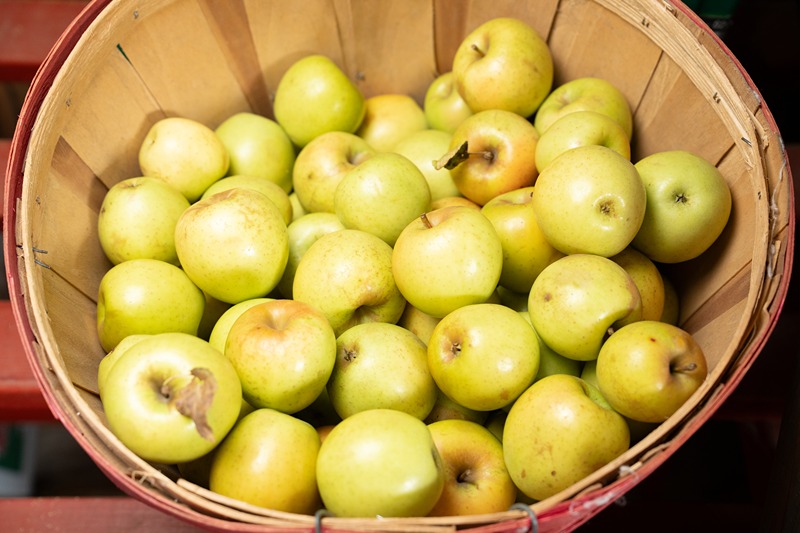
x,y
193,399
683,369
466,477
458,155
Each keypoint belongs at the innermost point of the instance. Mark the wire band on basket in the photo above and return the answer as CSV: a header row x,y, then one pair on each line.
x,y
531,514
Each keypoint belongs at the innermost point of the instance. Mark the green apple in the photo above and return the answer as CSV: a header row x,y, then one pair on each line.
x,y
503,64
382,196
446,259
213,311
585,94
647,370
380,463
483,356
423,148
146,296
233,245
448,201
184,153
551,362
558,432
446,409
298,209
108,361
304,232
315,96
476,478
258,146
284,352
321,412
390,118
322,164
347,275
672,304
219,333
417,322
688,206
492,152
590,200
526,251
381,366
581,128
271,190
269,460
137,220
443,106
648,280
495,422
171,398
575,301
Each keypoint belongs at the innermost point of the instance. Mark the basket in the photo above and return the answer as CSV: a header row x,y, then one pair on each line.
x,y
123,64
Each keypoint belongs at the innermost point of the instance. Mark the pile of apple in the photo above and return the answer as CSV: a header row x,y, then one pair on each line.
x,y
391,308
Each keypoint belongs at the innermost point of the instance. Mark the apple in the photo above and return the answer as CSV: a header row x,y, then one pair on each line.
x,y
381,366
503,64
672,304
422,148
382,196
492,152
390,118
576,299
526,251
137,220
315,96
647,370
320,412
269,460
146,296
443,106
585,94
347,275
233,245
212,312
284,352
271,190
379,463
559,431
495,422
446,409
322,164
688,206
476,477
648,280
184,153
483,356
219,333
590,200
551,362
581,128
171,398
446,259
258,146
298,209
108,361
518,301
453,200
417,322
302,233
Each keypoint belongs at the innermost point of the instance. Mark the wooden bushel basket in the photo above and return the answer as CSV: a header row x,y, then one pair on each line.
x,y
123,64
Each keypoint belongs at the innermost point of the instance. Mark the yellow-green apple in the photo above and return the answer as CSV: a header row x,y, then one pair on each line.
x,y
590,200
671,313
269,459
258,146
320,412
417,322
171,398
380,463
495,421
108,361
423,148
688,206
137,220
476,478
381,366
185,153
492,152
526,251
146,296
219,333
648,280
284,352
304,232
577,299
382,196
213,311
390,118
558,432
483,356
551,362
585,94
298,209
503,64
581,128
271,190
647,370
518,301
234,245
347,275
315,96
443,106
322,163
446,259
453,200
446,409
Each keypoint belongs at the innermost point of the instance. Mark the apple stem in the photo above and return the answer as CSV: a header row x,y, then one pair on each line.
x,y
425,220
690,367
478,49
